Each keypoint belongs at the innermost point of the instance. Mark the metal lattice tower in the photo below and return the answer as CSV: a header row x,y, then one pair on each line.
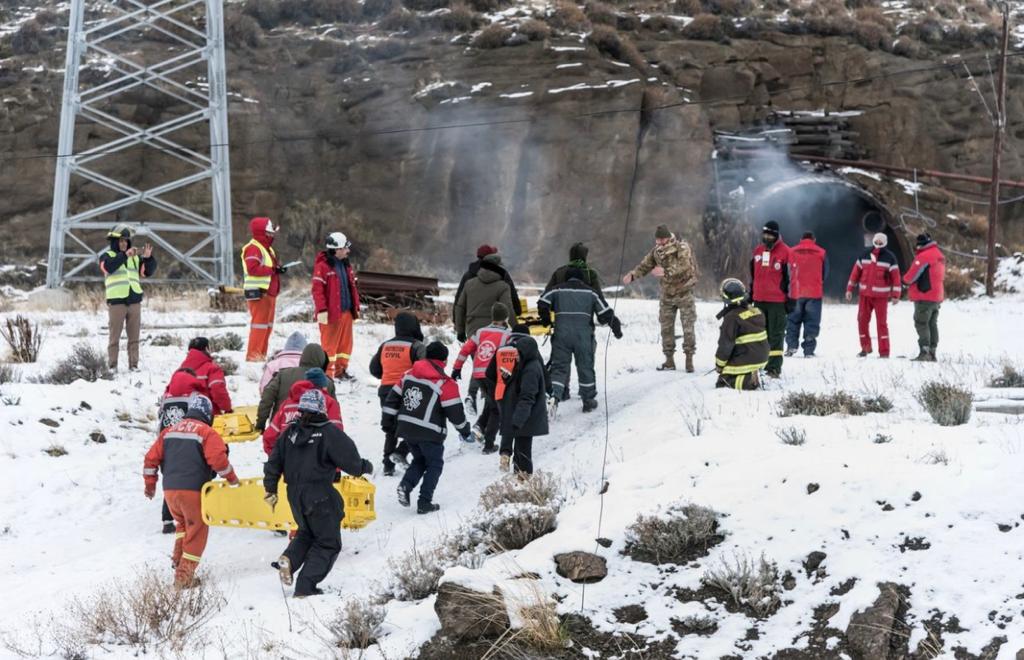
x,y
143,138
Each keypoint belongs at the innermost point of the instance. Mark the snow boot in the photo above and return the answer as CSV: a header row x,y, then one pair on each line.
x,y
923,356
669,364
427,508
589,405
343,375
315,591
399,459
403,495
552,407
470,404
689,363
284,569
863,354
168,527
505,463
490,449
790,352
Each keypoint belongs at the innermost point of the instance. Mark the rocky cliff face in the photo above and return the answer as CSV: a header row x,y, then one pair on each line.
x,y
432,146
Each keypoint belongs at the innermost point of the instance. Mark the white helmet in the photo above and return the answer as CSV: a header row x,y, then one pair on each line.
x,y
271,229
880,240
338,241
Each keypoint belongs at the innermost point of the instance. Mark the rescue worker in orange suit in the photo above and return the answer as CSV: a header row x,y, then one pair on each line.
x,y
876,274
769,290
189,454
392,359
336,300
261,282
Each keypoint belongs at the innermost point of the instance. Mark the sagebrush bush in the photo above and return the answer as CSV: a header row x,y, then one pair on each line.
x,y
1009,378
514,526
608,41
676,536
415,574
23,337
166,340
747,583
357,625
569,17
492,36
400,20
85,363
705,27
227,364
242,30
534,30
229,341
791,435
30,39
948,404
460,17
958,283
822,405
599,12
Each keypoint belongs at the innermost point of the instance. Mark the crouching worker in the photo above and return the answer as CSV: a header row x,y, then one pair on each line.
x,y
524,413
189,454
417,409
309,454
392,359
742,340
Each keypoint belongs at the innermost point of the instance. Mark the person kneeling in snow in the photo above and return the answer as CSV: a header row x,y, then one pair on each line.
x,y
309,454
189,454
742,340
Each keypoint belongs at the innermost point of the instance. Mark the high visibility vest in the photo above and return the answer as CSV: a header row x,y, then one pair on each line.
x,y
257,281
124,280
395,359
506,357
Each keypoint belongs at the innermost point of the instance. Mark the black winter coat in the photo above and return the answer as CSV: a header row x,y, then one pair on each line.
x,y
523,409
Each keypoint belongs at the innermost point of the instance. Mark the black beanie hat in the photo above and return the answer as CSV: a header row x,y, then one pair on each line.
x,y
499,312
809,234
437,351
578,252
923,239
200,343
771,227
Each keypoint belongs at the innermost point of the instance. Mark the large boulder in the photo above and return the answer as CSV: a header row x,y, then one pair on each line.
x,y
870,633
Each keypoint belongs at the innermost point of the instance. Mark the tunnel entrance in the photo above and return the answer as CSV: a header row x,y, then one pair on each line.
x,y
842,215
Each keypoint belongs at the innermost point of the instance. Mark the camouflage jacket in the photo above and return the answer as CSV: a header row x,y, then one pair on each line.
x,y
681,270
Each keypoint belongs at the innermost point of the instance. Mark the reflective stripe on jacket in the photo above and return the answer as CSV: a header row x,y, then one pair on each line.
x,y
742,341
267,255
876,274
124,280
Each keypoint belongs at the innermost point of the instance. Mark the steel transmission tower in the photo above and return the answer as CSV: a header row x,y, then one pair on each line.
x,y
143,138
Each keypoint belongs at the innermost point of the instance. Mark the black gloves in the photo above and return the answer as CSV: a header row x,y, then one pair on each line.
x,y
616,327
461,337
367,467
456,374
790,305
281,269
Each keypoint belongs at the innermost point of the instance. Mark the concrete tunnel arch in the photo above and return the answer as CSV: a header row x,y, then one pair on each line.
x,y
842,215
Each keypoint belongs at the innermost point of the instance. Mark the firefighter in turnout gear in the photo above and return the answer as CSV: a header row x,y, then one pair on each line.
x,y
672,261
261,282
336,299
482,346
876,275
769,289
309,454
742,340
122,270
392,359
189,454
574,305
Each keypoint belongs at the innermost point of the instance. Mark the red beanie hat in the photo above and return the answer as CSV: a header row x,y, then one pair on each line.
x,y
485,250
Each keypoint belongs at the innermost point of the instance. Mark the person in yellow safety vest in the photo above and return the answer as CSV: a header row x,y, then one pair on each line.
x,y
123,270
742,341
261,283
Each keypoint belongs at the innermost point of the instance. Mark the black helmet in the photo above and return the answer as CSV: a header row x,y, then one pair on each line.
x,y
120,231
733,291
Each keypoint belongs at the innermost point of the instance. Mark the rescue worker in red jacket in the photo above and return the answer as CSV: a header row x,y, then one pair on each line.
x,y
877,276
392,359
316,379
336,300
208,373
808,269
261,283
189,454
769,289
926,277
482,346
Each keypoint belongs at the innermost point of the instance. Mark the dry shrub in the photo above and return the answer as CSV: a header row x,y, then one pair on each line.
x,y
514,526
459,18
679,535
534,30
8,374
415,574
242,30
838,402
309,223
598,12
1009,378
872,35
147,611
660,23
23,337
705,27
357,625
376,8
166,340
227,364
864,4
425,5
608,41
541,489
791,435
568,16
948,404
958,283
927,30
229,341
55,450
907,47
265,12
385,49
85,363
30,39
493,36
335,10
733,8
541,628
872,15
400,20
687,7
748,584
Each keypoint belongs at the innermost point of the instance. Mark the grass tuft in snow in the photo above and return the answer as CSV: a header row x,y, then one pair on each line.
x,y
822,405
8,374
542,489
85,363
55,450
882,439
540,630
357,625
415,574
747,583
229,341
680,534
166,340
23,337
948,404
791,436
1009,378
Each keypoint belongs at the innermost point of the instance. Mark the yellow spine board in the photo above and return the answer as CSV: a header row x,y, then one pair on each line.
x,y
237,426
224,506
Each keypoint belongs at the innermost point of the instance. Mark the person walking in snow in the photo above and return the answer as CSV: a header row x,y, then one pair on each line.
x,y
189,454
926,277
288,356
503,365
482,346
574,305
336,300
123,271
769,289
315,379
473,270
876,275
308,455
742,339
173,406
578,253
418,409
808,269
261,282
278,389
523,413
209,374
673,263
392,359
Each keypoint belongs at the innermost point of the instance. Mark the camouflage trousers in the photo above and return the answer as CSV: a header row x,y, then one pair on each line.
x,y
686,306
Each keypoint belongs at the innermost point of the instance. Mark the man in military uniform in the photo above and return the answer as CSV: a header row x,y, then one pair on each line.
x,y
672,261
742,340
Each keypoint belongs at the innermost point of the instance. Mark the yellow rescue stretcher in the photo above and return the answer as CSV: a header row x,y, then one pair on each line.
x,y
531,318
237,426
224,506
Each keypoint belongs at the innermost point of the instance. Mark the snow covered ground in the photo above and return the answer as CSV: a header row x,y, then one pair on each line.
x,y
72,523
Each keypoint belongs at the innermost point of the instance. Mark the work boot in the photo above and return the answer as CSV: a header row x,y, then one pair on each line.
x,y
923,356
689,363
315,591
470,404
505,463
589,405
403,495
429,507
863,354
168,527
790,352
284,569
552,407
669,365
389,468
490,448
931,355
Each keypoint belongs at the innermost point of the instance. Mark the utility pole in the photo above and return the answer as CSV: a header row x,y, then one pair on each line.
x,y
997,148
